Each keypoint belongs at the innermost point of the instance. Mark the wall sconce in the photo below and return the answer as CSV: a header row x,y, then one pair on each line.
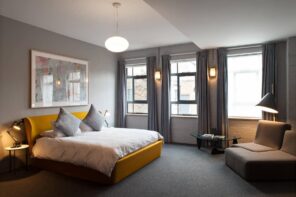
x,y
157,75
212,72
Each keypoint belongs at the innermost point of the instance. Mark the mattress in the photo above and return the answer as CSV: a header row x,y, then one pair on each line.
x,y
99,150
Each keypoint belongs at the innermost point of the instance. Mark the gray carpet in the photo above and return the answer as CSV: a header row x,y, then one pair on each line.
x,y
181,171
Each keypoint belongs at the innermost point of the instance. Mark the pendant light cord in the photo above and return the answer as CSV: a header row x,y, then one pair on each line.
x,y
116,5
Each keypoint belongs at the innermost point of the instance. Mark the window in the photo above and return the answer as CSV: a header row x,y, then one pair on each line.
x,y
136,88
244,85
183,80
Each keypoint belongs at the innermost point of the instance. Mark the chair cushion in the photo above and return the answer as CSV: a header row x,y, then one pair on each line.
x,y
271,133
269,165
289,143
253,147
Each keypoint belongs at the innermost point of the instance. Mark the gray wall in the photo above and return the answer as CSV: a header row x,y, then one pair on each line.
x,y
291,81
16,41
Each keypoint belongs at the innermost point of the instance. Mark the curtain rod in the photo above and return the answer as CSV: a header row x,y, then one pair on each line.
x,y
136,58
187,53
173,54
244,47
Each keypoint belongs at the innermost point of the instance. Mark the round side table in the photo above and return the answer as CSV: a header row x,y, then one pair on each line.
x,y
12,157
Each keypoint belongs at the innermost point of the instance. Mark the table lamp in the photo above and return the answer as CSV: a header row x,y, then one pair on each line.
x,y
267,104
16,126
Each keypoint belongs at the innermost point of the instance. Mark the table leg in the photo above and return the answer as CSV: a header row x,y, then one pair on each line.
x,y
14,161
198,141
10,161
27,159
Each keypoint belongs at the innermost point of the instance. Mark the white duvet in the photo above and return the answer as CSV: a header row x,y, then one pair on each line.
x,y
97,150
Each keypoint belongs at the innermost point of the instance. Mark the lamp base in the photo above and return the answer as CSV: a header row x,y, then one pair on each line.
x,y
16,145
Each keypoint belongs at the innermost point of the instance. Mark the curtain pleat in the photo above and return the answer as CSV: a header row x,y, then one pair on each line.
x,y
269,82
203,94
152,94
165,99
121,94
222,93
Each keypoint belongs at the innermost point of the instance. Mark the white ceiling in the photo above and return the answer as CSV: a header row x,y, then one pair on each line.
x,y
152,23
92,21
216,23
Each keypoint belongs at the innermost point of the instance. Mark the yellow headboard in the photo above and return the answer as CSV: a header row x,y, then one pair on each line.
x,y
36,124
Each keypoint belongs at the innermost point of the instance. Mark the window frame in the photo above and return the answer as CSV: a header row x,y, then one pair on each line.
x,y
133,85
178,75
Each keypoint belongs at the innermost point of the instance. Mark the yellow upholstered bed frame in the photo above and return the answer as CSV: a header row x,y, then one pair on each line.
x,y
123,168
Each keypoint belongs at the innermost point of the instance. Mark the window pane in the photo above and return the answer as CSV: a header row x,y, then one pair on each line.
x,y
129,89
173,67
140,108
244,85
130,108
188,109
184,109
187,66
129,71
174,88
140,92
174,109
139,70
187,88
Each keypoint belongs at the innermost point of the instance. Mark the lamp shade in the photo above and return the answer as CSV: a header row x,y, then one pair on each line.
x,y
267,104
116,44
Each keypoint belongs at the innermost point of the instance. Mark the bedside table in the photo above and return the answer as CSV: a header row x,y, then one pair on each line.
x,y
12,150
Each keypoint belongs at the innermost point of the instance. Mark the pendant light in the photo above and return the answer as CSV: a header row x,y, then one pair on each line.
x,y
116,43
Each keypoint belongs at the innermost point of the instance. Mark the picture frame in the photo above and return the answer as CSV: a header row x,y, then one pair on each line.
x,y
58,81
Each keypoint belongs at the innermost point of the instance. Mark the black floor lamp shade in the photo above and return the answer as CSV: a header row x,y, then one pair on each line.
x,y
267,104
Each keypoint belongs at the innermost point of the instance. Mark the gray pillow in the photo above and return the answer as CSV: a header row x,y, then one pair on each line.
x,y
84,127
94,119
67,123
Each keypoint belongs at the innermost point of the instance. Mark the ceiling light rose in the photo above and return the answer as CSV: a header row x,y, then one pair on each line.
x,y
116,43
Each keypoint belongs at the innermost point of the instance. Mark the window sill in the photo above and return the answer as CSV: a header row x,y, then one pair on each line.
x,y
243,118
182,116
136,114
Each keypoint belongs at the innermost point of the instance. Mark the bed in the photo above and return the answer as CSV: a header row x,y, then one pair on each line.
x,y
123,167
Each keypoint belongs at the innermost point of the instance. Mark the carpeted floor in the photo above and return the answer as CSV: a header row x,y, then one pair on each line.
x,y
181,171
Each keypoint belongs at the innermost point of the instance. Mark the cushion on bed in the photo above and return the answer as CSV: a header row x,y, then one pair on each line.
x,y
84,127
52,134
67,123
94,119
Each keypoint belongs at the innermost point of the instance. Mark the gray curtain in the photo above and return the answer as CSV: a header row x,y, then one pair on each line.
x,y
165,99
222,93
152,94
121,94
203,92
269,82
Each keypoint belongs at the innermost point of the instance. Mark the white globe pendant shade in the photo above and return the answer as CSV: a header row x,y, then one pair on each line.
x,y
116,44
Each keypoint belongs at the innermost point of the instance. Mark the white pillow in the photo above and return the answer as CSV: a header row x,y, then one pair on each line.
x,y
52,134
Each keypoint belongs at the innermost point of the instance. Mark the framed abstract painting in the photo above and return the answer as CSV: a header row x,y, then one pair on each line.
x,y
58,80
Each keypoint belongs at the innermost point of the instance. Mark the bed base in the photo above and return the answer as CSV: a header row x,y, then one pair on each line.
x,y
123,168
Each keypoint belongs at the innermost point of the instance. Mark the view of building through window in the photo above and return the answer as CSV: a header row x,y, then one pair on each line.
x,y
183,81
136,88
244,85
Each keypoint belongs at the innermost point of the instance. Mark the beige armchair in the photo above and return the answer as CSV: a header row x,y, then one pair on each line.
x,y
272,155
